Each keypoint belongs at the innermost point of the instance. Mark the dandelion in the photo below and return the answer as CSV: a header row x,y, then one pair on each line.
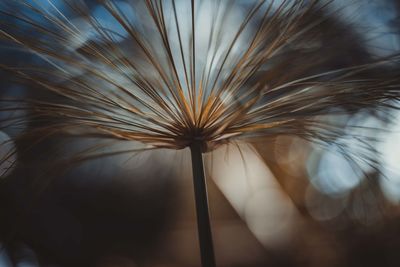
x,y
188,74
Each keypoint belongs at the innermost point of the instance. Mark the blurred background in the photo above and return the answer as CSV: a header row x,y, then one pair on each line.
x,y
279,202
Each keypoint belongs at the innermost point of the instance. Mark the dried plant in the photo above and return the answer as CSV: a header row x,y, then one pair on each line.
x,y
199,73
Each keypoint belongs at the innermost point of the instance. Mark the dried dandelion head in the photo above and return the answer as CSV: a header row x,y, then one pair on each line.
x,y
170,73
174,73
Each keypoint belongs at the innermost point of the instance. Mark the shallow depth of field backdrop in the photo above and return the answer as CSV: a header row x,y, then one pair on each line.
x,y
283,203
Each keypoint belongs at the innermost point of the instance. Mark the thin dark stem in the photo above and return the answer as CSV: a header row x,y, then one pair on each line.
x,y
203,217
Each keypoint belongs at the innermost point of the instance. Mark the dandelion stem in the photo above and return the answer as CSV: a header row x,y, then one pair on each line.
x,y
203,217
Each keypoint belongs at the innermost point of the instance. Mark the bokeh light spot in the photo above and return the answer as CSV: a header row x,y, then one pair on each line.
x,y
390,153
